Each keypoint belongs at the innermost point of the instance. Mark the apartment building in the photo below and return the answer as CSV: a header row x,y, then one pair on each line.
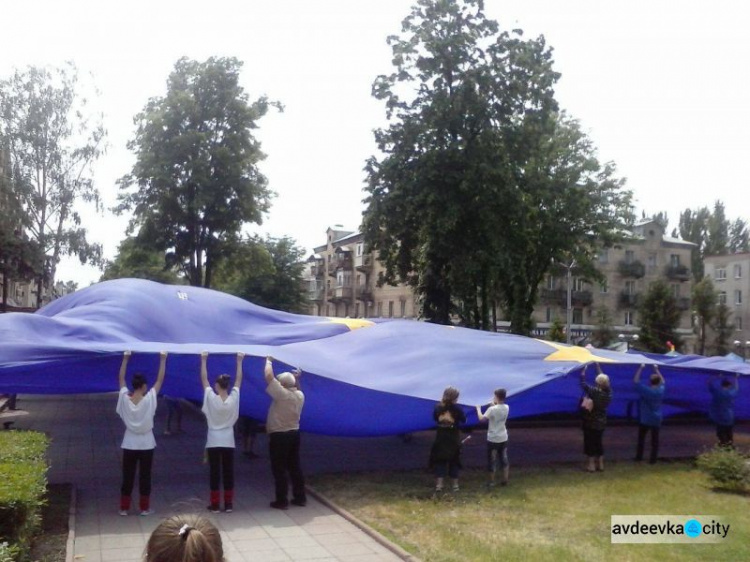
x,y
731,277
342,282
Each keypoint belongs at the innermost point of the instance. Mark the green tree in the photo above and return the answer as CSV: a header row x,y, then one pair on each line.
x,y
704,300
693,227
141,262
482,181
52,142
604,333
658,319
196,181
556,330
723,328
267,272
739,237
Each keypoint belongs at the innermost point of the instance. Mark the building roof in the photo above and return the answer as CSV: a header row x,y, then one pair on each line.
x,y
671,240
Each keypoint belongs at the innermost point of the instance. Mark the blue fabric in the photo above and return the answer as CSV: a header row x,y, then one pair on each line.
x,y
380,379
650,404
722,403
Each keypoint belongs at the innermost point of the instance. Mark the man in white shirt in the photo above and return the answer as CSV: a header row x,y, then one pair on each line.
x,y
137,410
497,436
282,426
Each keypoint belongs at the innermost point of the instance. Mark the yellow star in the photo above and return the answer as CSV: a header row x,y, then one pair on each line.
x,y
573,353
352,323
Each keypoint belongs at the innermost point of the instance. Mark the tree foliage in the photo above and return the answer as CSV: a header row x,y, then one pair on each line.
x,y
603,333
482,180
659,318
267,272
556,330
723,328
704,299
196,180
52,142
140,262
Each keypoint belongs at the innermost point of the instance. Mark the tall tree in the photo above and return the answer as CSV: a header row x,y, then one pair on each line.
x,y
723,328
717,241
739,237
704,300
266,272
604,333
52,141
693,227
196,180
482,181
141,262
659,317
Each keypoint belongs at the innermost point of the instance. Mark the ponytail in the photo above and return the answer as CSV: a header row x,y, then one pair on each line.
x,y
185,539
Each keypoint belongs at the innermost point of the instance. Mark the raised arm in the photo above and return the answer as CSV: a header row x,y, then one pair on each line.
x,y
238,376
297,374
637,377
123,368
268,371
658,372
598,369
204,370
480,415
162,371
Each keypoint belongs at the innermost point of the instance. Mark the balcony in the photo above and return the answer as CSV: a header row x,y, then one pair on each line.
x,y
628,300
580,298
560,297
363,263
316,295
683,303
365,294
678,272
634,269
318,270
341,294
341,262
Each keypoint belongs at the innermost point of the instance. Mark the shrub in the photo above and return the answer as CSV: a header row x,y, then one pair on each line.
x,y
727,468
23,481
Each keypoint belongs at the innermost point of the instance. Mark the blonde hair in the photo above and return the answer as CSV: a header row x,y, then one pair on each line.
x,y
185,538
450,395
602,381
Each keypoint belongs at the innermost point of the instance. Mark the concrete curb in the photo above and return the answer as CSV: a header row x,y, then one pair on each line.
x,y
364,527
70,545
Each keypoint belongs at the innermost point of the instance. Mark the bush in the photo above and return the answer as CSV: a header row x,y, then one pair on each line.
x,y
727,468
23,472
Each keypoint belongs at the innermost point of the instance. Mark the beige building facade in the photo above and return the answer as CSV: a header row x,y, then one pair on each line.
x,y
342,282
731,277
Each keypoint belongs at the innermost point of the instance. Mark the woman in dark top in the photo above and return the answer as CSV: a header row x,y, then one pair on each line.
x,y
446,450
595,418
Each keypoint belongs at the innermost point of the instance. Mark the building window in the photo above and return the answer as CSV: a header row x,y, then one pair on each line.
x,y
356,310
630,287
328,310
550,282
737,271
652,263
629,256
579,284
380,308
738,297
722,297
577,316
674,260
390,309
676,290
403,309
738,323
603,256
359,250
720,274
603,288
548,315
629,318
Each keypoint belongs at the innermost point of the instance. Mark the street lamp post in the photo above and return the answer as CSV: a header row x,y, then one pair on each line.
x,y
742,347
628,339
569,309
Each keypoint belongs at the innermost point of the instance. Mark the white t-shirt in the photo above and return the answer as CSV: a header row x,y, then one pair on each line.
x,y
139,420
497,414
221,415
286,408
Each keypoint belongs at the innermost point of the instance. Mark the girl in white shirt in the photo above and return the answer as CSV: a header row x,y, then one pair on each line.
x,y
222,408
137,411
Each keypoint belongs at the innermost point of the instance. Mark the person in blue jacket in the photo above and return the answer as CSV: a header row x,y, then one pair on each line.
x,y
722,408
651,396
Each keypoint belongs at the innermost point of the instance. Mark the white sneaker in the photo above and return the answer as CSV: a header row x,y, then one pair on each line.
x,y
147,512
123,512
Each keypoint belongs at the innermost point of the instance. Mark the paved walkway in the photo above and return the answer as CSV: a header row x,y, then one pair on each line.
x,y
85,450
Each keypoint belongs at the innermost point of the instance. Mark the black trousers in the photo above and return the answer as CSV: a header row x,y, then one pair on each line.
x,y
221,467
285,464
142,461
593,445
642,431
725,433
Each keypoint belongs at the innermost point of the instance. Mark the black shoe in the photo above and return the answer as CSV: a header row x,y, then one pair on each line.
x,y
299,502
213,508
280,505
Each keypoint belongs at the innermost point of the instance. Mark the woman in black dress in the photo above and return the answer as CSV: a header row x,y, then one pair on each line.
x,y
595,418
446,450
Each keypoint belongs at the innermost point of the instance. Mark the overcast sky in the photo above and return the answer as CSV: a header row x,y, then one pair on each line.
x,y
661,87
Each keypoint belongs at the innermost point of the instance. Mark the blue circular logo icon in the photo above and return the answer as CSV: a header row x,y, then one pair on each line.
x,y
693,528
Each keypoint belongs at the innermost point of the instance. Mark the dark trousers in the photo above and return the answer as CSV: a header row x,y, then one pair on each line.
x,y
132,460
593,443
221,467
284,452
642,431
725,433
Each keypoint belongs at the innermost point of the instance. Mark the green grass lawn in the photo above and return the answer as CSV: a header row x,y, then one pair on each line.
x,y
553,513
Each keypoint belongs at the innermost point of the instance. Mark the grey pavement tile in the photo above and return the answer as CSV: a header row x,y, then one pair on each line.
x,y
295,541
122,541
255,545
307,553
88,556
350,549
131,554
323,529
370,558
288,531
340,538
83,544
276,555
246,533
